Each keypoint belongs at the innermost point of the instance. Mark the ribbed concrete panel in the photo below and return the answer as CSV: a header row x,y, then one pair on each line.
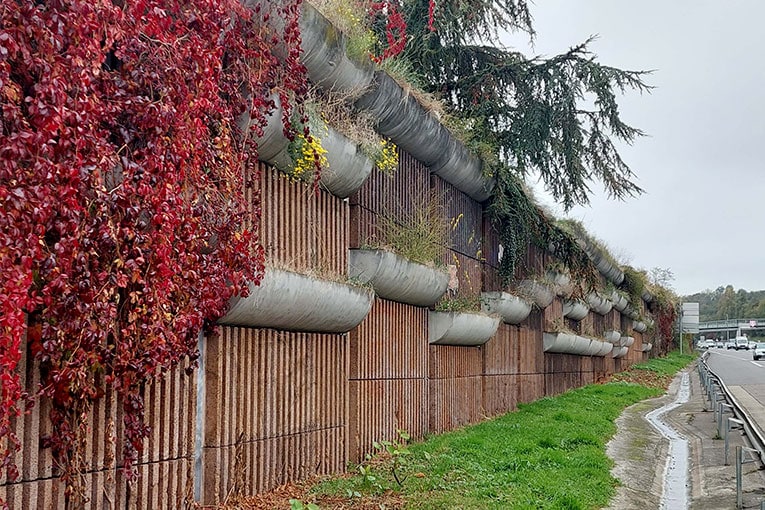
x,y
265,385
455,402
586,363
469,273
170,406
532,263
553,315
303,229
530,354
249,467
500,393
490,244
531,387
391,343
597,324
556,363
394,192
500,355
449,361
379,408
466,217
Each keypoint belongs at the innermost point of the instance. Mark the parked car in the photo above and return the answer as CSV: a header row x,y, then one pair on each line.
x,y
759,351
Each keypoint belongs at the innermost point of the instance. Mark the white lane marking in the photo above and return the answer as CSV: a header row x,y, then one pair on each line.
x,y
756,364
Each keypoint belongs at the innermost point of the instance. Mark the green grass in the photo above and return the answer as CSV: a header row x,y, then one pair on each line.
x,y
549,454
671,364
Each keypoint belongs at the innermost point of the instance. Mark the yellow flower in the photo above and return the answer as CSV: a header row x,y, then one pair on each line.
x,y
307,154
386,158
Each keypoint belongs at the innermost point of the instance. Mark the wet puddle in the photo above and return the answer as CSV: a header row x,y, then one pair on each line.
x,y
675,494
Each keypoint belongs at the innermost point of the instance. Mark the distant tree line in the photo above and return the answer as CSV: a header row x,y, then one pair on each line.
x,y
727,302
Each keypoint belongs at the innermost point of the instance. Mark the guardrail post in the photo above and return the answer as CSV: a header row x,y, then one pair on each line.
x,y
740,450
739,503
715,404
723,408
729,426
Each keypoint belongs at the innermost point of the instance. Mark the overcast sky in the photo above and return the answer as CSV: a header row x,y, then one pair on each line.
x,y
701,166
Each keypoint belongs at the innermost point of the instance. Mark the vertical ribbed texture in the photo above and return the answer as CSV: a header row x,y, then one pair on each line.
x,y
283,406
164,465
465,218
394,194
388,376
302,229
391,343
500,370
469,274
531,263
275,409
455,386
552,316
490,258
562,372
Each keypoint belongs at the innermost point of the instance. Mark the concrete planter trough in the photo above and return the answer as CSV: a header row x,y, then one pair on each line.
x,y
325,58
561,283
397,278
576,310
613,336
625,341
609,270
632,313
620,301
400,117
539,293
620,352
598,303
296,302
570,343
512,309
397,113
646,347
347,166
639,326
461,328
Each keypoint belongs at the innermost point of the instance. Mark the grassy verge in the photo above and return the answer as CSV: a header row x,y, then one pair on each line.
x,y
548,454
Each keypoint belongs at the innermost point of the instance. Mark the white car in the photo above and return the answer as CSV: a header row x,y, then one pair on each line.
x,y
759,351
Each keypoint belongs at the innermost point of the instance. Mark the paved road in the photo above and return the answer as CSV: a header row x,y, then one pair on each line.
x,y
737,367
744,377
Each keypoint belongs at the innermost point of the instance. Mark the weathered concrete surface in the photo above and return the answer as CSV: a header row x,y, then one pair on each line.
x,y
640,453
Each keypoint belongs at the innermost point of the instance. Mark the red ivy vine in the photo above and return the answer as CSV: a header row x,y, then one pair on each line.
x,y
122,174
665,319
395,28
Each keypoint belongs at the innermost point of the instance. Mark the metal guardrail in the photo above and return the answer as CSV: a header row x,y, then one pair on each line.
x,y
717,395
721,400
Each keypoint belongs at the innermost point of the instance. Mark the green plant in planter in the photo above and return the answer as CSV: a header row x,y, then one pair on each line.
x,y
459,304
334,108
350,18
558,325
306,151
635,281
419,233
